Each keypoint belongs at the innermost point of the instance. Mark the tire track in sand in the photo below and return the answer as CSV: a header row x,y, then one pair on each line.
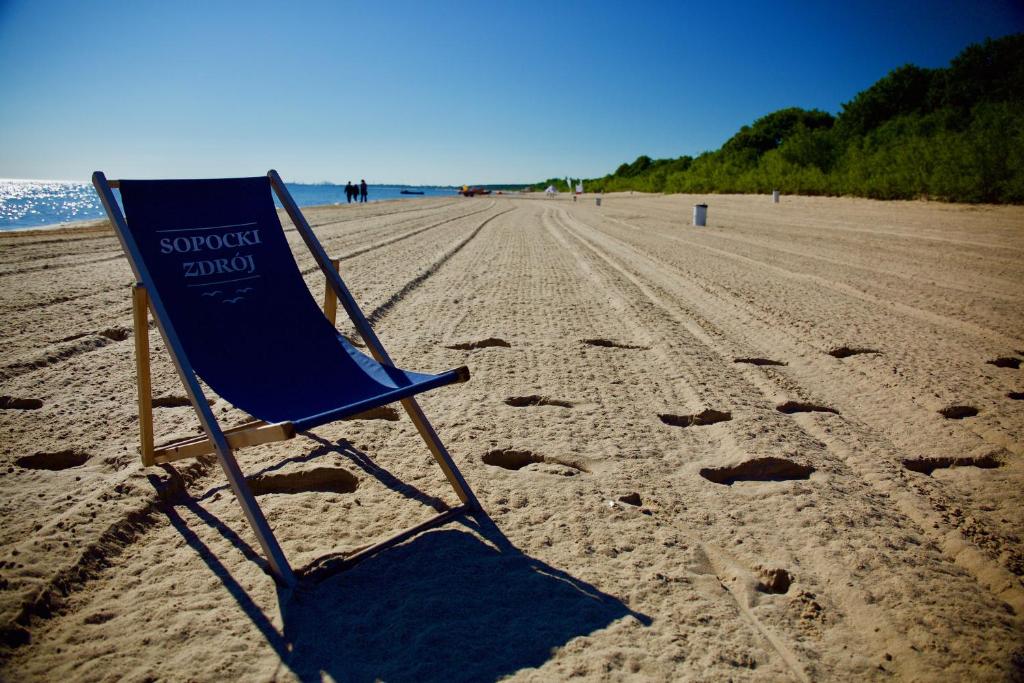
x,y
855,444
380,311
116,254
932,317
770,320
62,352
393,240
862,609
621,301
45,603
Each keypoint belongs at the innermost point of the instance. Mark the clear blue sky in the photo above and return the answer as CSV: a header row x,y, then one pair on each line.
x,y
435,92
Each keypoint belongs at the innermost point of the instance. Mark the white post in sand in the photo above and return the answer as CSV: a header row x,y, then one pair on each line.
x,y
775,196
700,215
597,200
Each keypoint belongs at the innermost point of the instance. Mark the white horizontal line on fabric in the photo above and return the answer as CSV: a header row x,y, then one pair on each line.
x,y
224,282
214,227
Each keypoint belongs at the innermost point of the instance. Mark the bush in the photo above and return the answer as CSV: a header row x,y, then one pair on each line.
x,y
955,134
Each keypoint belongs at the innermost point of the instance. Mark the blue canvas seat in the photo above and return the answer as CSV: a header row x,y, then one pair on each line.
x,y
214,267
218,256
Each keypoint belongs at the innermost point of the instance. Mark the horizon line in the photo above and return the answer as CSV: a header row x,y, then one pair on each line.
x,y
289,182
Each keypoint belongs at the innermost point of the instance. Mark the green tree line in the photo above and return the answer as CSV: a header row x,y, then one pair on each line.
x,y
955,134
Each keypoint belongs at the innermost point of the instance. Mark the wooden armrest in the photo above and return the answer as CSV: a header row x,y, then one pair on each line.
x,y
250,434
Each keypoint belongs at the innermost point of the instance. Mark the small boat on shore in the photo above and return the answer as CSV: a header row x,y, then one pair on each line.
x,y
411,192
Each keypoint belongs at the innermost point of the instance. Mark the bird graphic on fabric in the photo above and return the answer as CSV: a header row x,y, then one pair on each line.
x,y
213,293
243,290
233,301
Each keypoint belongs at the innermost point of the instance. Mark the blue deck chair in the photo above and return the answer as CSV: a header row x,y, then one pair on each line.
x,y
213,266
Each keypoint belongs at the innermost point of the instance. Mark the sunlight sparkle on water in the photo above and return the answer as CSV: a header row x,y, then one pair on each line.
x,y
29,203
36,203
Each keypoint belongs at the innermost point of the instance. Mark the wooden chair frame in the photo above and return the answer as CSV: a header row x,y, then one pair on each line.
x,y
223,442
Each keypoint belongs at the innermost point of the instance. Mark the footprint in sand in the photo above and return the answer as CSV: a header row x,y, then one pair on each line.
x,y
320,479
758,469
929,465
535,400
759,361
98,618
847,351
511,459
115,333
14,403
610,344
482,344
61,460
790,407
1005,362
773,580
633,499
706,417
958,412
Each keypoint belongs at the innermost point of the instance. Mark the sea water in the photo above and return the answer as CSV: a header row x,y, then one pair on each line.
x,y
39,203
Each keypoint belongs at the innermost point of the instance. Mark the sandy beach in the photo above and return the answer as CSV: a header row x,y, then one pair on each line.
x,y
786,446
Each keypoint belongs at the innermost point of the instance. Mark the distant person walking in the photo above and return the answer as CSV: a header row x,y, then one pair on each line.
x,y
350,190
362,190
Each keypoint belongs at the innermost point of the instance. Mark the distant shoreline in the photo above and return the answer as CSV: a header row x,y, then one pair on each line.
x,y
85,224
104,223
44,204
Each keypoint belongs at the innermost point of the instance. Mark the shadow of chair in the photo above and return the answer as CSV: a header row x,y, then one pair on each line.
x,y
453,604
449,605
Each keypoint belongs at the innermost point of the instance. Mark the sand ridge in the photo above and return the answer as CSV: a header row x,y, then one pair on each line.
x,y
745,451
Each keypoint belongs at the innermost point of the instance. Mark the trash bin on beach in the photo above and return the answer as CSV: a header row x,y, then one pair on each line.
x,y
775,196
700,214
597,200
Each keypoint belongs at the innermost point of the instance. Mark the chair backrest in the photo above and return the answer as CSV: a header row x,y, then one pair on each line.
x,y
221,264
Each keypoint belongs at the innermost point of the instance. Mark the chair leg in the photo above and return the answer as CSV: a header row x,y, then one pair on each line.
x,y
440,454
272,551
140,316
